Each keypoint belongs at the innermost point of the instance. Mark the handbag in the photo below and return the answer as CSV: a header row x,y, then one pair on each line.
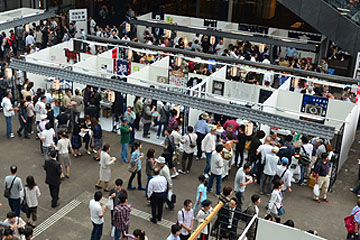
x,y
133,168
8,190
24,207
316,190
304,157
349,222
247,145
192,144
281,211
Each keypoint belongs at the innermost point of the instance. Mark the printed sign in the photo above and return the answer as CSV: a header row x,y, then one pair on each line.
x,y
79,16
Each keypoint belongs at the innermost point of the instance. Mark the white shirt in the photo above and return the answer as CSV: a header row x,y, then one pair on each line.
x,y
157,184
96,213
208,143
187,148
177,137
32,196
49,137
29,40
308,149
286,178
6,104
40,110
266,61
185,217
216,163
271,163
264,150
63,145
219,49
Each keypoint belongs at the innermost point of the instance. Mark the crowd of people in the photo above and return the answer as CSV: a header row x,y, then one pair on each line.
x,y
261,159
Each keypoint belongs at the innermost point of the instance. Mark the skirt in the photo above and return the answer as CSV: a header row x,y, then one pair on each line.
x,y
76,141
65,160
105,174
97,143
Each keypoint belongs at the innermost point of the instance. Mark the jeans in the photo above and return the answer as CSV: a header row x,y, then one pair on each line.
x,y
159,129
124,151
97,231
302,174
119,232
208,160
237,153
15,206
356,189
132,133
266,178
240,197
8,126
23,126
196,207
218,183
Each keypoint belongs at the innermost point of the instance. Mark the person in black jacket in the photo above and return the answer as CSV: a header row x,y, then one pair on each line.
x,y
92,110
229,219
240,146
53,172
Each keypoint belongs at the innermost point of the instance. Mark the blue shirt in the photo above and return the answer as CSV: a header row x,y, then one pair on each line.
x,y
171,237
201,189
202,127
357,216
134,155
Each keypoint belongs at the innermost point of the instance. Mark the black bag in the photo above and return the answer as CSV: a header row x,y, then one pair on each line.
x,y
7,190
304,157
192,144
24,207
177,221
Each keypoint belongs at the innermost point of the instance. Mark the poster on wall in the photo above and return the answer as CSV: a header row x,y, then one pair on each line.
x,y
136,67
169,20
314,105
159,17
177,79
79,16
218,88
121,69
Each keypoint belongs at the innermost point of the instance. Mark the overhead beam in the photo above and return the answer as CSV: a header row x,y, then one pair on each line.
x,y
295,43
26,20
228,60
241,112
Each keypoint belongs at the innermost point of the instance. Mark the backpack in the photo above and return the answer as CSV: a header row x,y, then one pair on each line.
x,y
304,157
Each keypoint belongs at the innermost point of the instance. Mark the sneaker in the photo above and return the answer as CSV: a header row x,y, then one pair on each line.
x,y
187,171
94,151
141,188
206,175
326,200
88,152
358,195
261,193
131,188
351,189
157,137
181,171
174,175
12,136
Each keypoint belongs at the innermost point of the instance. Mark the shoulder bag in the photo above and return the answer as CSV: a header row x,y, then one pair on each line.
x,y
24,207
192,144
349,222
7,190
304,157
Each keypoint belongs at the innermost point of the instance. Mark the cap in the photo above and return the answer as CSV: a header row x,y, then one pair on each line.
x,y
275,150
285,161
161,160
206,203
124,120
43,116
205,116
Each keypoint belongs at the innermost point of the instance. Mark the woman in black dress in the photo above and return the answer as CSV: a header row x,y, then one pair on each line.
x,y
76,139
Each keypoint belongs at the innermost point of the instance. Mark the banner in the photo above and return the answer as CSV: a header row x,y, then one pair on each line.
x,y
158,31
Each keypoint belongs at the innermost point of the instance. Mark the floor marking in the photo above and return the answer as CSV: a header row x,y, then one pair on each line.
x,y
55,217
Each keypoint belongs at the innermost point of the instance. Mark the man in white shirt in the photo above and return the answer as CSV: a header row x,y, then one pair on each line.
x,y
284,174
241,181
216,169
157,189
47,137
97,216
92,26
220,48
30,40
177,140
271,162
264,149
9,111
208,146
189,149
40,109
185,218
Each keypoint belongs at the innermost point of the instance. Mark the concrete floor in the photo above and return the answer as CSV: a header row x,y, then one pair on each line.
x,y
326,218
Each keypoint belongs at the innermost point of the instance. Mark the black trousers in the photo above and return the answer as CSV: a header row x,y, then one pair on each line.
x,y
186,156
146,129
54,193
138,178
199,139
157,204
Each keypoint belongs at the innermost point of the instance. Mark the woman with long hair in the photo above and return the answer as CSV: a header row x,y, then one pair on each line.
x,y
23,119
31,194
76,139
275,205
97,134
135,164
64,146
105,167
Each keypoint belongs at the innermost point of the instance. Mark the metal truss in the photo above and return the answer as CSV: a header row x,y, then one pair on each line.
x,y
241,112
25,20
229,60
295,43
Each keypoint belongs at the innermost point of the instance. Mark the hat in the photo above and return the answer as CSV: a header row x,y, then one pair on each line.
x,y
43,116
124,120
160,160
206,203
213,128
285,161
275,150
205,116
